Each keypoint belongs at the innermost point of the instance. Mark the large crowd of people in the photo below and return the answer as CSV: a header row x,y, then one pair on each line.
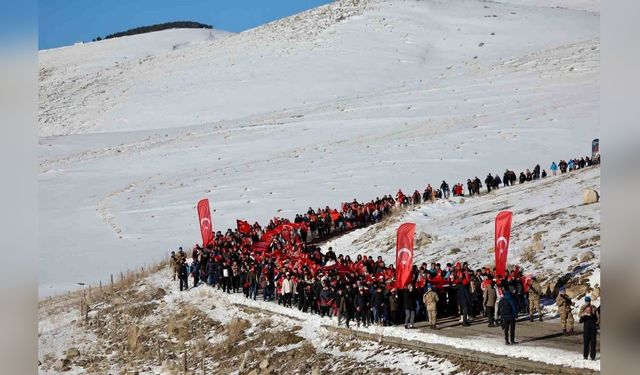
x,y
282,262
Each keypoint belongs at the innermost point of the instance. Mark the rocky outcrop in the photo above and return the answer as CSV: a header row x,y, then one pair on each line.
x,y
590,196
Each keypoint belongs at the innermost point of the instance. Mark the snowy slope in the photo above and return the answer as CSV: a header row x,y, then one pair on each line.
x,y
552,234
353,99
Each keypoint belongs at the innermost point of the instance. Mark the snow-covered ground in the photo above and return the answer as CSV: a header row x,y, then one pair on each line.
x,y
101,350
354,99
553,233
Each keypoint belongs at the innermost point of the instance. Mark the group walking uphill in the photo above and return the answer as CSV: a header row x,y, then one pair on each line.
x,y
493,182
282,262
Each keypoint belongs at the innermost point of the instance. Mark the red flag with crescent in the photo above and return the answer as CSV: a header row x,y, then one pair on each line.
x,y
503,232
206,228
404,254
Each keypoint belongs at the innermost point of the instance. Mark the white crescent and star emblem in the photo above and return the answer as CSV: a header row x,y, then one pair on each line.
x,y
498,241
404,259
203,220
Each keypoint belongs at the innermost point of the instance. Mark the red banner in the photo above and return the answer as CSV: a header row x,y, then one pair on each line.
x,y
206,228
503,232
243,226
404,254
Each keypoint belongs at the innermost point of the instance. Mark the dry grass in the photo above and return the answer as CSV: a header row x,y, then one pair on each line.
x,y
235,331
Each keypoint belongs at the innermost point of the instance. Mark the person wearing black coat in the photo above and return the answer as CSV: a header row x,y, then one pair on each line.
x,y
489,182
345,307
409,305
590,319
183,275
377,305
478,185
464,301
496,181
361,307
509,313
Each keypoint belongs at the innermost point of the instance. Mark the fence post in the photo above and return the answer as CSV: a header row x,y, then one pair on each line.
x,y
184,361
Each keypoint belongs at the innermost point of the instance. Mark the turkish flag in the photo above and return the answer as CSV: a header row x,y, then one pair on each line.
x,y
404,254
206,228
503,232
243,226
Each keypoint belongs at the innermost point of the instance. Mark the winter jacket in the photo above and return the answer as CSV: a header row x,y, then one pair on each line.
x,y
287,286
183,271
589,314
508,308
464,298
345,305
326,297
195,268
393,302
409,299
377,300
490,297
360,302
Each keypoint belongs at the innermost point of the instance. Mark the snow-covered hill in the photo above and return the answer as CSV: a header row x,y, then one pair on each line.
x,y
553,234
353,99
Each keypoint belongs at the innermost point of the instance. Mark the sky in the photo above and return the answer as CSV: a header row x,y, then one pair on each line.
x,y
64,22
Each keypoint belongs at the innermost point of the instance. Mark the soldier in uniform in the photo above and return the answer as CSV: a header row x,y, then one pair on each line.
x,y
564,304
535,291
173,262
430,300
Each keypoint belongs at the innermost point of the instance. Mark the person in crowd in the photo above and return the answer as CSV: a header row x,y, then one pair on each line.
x,y
564,304
227,277
477,185
489,301
496,181
509,313
195,271
505,178
344,303
590,318
553,168
444,187
377,306
326,301
183,275
409,305
464,301
535,292
489,182
392,302
361,306
287,290
430,300
173,263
